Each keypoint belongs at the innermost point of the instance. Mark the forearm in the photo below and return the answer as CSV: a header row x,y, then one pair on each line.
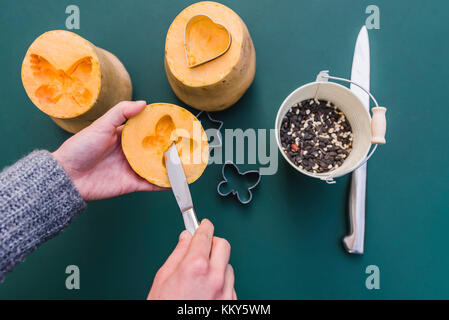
x,y
37,201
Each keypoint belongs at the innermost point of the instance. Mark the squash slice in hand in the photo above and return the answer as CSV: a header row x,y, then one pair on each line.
x,y
147,136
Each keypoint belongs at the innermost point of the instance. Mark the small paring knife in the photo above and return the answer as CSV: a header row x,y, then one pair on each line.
x,y
180,188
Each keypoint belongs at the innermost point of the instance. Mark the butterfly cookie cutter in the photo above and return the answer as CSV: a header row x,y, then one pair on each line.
x,y
234,191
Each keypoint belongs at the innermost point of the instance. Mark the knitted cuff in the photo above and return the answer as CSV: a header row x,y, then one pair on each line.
x,y
37,201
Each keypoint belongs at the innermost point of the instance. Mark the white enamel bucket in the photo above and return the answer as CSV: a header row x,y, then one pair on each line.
x,y
367,131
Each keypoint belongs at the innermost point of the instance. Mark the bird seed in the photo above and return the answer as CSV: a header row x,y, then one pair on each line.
x,y
316,136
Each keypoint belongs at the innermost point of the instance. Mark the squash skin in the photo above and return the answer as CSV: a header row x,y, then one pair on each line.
x,y
229,89
115,86
147,162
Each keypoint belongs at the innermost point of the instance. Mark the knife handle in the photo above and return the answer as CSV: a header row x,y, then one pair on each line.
x,y
354,242
190,220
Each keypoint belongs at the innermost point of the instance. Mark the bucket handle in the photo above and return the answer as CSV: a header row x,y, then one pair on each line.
x,y
325,75
377,129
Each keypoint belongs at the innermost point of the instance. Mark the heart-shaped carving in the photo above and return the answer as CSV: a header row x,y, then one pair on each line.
x,y
205,40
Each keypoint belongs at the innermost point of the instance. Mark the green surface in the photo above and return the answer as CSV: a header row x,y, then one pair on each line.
x,y
287,242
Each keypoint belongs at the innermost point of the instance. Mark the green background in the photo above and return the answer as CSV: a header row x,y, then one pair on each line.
x,y
286,244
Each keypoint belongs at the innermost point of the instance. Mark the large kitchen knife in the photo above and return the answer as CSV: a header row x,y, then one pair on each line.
x,y
180,188
354,242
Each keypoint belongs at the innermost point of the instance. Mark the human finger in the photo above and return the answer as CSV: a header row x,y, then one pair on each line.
x,y
201,243
176,256
220,253
228,287
116,116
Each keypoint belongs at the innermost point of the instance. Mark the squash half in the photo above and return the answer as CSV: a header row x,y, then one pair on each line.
x,y
221,82
71,80
147,136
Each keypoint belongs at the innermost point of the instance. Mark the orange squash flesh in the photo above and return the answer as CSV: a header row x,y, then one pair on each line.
x,y
147,136
71,80
221,82
205,40
61,74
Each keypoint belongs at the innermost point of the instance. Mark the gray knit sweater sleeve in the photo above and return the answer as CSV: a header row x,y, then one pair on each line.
x,y
37,201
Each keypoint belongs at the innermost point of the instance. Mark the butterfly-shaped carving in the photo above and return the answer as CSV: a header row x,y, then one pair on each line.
x,y
57,83
165,134
237,183
162,135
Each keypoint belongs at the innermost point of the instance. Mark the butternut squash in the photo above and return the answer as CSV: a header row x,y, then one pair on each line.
x,y
147,136
71,80
199,33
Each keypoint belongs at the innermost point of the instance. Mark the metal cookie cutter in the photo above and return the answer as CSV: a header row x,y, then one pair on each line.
x,y
220,125
256,173
192,21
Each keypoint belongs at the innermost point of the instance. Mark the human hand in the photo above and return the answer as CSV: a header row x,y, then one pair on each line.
x,y
94,160
198,269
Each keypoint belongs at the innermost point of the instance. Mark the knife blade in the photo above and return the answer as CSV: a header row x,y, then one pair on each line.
x,y
180,188
360,73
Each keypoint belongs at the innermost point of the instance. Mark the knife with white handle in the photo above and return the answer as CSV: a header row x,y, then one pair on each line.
x,y
180,188
360,73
